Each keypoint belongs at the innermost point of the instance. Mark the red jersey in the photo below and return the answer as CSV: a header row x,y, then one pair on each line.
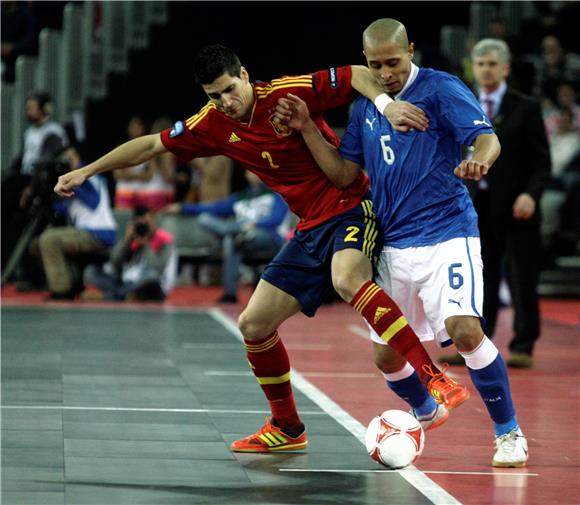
x,y
277,154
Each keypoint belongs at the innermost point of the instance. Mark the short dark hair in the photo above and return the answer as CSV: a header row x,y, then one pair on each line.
x,y
213,61
43,99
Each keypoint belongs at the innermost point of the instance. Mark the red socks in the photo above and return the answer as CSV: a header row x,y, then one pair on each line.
x,y
271,366
385,317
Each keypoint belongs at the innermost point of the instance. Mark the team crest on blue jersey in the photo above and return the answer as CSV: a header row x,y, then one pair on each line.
x,y
280,129
176,130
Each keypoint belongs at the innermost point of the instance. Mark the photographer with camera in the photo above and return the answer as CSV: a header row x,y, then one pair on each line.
x,y
26,189
143,263
89,233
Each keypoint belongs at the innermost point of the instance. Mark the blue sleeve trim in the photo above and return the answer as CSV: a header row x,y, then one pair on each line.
x,y
471,139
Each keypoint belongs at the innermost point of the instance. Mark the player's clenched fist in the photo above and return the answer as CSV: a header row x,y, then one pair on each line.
x,y
67,182
471,169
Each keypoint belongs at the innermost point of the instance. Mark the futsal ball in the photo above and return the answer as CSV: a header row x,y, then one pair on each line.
x,y
395,439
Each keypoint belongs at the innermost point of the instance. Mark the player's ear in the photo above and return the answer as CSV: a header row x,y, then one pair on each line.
x,y
411,50
244,74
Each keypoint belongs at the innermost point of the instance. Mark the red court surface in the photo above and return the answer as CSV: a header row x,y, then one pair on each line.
x,y
332,351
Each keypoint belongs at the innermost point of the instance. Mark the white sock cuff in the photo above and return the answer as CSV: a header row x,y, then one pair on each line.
x,y
483,355
403,373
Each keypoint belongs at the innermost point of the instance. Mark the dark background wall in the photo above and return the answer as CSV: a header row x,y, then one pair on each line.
x,y
271,39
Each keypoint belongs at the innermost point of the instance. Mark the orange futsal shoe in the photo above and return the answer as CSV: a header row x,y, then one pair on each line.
x,y
444,389
270,438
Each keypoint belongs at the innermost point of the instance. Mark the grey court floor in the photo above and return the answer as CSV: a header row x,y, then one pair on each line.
x,y
115,406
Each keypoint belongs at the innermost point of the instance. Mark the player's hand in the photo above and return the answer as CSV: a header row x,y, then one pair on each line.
x,y
292,112
524,207
471,169
67,182
405,116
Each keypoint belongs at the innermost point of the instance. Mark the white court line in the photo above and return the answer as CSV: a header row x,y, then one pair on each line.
x,y
331,470
360,331
416,478
149,409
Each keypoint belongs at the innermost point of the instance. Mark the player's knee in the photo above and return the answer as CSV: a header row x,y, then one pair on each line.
x,y
47,240
251,327
346,286
465,332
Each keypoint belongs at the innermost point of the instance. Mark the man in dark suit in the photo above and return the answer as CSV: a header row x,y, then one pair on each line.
x,y
507,200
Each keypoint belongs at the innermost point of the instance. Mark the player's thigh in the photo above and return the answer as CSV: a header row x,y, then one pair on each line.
x,y
453,284
395,270
267,309
356,245
350,269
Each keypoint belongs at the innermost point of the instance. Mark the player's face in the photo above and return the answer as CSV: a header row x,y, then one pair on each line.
x,y
233,95
490,71
390,64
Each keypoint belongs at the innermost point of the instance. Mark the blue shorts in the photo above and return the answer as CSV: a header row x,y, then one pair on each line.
x,y
302,267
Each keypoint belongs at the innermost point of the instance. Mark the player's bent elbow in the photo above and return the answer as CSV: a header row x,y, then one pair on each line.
x,y
343,178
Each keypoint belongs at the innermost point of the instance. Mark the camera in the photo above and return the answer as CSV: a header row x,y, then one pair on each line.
x,y
142,230
45,176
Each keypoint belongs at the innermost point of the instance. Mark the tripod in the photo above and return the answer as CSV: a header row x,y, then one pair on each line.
x,y
41,217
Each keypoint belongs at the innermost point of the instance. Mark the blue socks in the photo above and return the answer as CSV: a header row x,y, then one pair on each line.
x,y
411,390
489,375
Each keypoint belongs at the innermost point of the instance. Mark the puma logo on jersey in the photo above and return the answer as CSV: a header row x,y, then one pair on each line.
x,y
380,312
234,138
478,122
457,302
370,123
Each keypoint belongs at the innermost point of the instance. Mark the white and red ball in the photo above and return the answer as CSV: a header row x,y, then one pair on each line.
x,y
395,439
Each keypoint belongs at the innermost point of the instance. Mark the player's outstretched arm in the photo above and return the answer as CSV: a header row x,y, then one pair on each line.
x,y
293,112
486,149
402,115
129,154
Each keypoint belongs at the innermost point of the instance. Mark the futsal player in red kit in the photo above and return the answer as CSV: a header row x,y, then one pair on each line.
x,y
336,237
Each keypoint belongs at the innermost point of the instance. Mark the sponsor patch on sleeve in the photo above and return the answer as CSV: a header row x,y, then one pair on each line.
x,y
176,130
332,77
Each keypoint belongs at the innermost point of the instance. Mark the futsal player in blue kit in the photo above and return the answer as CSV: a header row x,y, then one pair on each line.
x,y
431,263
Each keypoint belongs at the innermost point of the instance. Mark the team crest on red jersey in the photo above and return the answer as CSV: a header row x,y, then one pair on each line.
x,y
280,129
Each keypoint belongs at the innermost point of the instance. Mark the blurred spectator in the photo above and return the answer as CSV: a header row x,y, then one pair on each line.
x,y
143,263
556,66
91,230
131,181
43,141
565,103
212,179
522,73
159,191
507,199
183,182
18,35
564,188
257,230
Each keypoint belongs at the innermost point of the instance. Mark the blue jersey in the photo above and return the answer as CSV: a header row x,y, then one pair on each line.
x,y
417,198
